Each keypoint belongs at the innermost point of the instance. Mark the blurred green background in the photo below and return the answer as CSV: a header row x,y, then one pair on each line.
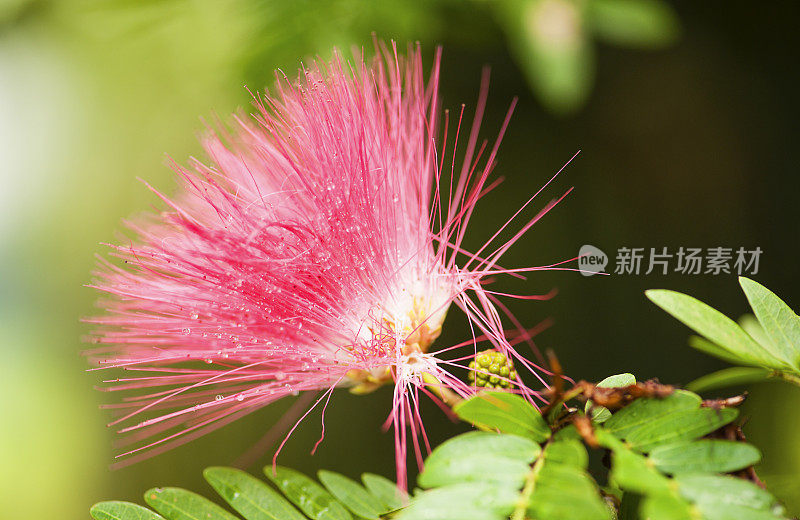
x,y
689,144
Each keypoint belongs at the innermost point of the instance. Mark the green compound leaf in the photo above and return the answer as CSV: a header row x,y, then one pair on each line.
x,y
115,510
694,493
633,23
780,324
384,490
249,496
306,494
179,504
726,377
601,414
466,501
720,330
705,456
480,456
506,412
351,494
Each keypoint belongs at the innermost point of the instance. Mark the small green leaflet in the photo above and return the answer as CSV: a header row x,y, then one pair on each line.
x,y
179,504
480,456
724,497
704,456
504,411
306,494
115,510
640,412
352,495
249,496
601,414
384,490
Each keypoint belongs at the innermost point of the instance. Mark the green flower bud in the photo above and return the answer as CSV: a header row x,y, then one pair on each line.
x,y
491,369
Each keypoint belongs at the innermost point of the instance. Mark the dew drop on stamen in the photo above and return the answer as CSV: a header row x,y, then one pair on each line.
x,y
218,397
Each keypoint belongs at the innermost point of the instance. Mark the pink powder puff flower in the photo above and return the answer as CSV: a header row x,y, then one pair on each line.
x,y
319,252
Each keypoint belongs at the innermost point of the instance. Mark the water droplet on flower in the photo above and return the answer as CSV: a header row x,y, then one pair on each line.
x,y
193,316
280,376
240,397
218,397
186,331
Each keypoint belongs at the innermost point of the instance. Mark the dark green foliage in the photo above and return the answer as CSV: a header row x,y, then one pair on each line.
x,y
663,465
658,457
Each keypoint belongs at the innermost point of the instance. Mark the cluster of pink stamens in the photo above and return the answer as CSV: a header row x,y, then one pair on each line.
x,y
320,250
